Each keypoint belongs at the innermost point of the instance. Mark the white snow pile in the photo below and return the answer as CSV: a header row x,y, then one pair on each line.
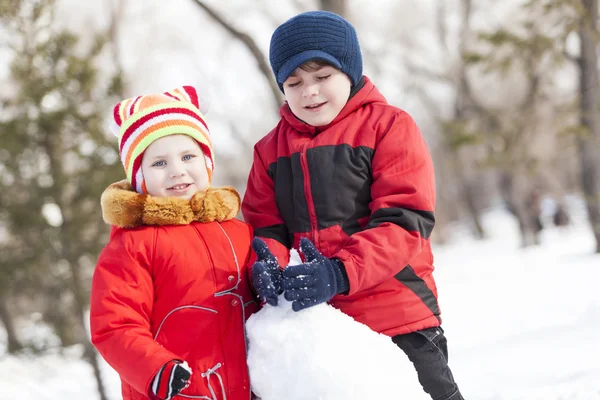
x,y
322,354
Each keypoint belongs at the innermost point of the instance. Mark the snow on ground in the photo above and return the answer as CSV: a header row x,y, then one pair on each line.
x,y
521,323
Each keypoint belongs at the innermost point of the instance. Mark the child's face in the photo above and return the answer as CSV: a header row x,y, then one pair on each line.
x,y
317,96
174,166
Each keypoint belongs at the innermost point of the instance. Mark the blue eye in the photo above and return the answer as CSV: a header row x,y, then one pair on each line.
x,y
188,157
160,163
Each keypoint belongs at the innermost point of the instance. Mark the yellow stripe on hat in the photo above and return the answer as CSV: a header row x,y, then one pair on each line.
x,y
148,139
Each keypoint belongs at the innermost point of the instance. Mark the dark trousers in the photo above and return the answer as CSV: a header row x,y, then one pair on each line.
x,y
428,351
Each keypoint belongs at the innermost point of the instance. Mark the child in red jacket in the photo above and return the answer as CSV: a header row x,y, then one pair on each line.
x,y
348,179
170,294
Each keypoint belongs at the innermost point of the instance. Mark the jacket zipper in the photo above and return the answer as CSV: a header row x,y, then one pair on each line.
x,y
313,235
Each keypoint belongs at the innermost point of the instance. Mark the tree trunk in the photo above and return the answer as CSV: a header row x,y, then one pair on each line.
x,y
90,353
59,314
92,357
335,6
589,144
462,104
14,344
469,193
513,199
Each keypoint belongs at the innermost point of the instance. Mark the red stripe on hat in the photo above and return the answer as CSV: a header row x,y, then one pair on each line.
x,y
191,91
133,104
154,114
171,96
207,153
116,115
137,164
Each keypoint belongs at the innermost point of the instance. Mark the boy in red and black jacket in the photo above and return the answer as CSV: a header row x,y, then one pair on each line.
x,y
348,179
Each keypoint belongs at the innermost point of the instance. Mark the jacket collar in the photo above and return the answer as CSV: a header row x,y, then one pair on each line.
x,y
123,207
366,95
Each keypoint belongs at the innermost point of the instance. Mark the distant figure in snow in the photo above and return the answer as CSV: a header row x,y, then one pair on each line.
x,y
534,213
170,293
561,218
348,179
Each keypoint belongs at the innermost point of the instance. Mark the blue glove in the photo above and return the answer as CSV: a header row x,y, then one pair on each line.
x,y
316,281
266,274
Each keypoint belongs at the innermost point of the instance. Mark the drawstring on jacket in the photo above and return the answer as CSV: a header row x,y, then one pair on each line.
x,y
207,374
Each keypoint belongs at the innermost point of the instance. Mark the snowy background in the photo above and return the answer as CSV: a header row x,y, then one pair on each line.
x,y
521,324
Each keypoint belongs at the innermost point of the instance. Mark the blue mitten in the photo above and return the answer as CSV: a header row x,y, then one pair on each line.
x,y
315,281
266,274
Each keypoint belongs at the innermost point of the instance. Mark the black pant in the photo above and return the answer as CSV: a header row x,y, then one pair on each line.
x,y
427,349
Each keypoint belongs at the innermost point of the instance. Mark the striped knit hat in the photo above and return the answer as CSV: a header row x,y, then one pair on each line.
x,y
143,119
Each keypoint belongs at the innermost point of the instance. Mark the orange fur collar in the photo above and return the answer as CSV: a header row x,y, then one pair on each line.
x,y
124,207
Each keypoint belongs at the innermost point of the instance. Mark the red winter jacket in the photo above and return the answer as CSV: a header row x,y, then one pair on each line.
x,y
363,190
173,292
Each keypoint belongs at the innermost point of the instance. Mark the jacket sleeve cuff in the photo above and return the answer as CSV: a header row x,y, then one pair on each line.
x,y
349,268
341,277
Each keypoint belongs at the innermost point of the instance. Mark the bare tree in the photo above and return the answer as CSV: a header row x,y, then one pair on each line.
x,y
589,143
581,17
510,130
457,144
251,45
464,105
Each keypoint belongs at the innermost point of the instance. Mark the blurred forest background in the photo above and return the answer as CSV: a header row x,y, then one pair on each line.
x,y
506,94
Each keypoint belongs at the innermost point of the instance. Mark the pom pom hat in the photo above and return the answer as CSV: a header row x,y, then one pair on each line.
x,y
141,120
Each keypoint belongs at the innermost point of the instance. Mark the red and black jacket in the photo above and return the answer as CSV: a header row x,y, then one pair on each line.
x,y
363,190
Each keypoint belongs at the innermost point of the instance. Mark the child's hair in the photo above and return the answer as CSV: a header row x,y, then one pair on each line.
x,y
318,36
140,120
315,65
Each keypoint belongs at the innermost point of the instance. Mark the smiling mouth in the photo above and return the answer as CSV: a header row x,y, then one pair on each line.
x,y
181,186
314,106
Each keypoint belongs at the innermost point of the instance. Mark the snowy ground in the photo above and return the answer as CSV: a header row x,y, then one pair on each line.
x,y
521,324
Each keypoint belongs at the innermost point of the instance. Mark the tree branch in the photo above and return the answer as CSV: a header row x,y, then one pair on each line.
x,y
465,97
251,45
116,17
426,72
336,6
442,30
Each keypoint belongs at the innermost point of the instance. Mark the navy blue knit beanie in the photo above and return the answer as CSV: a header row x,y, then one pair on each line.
x,y
315,35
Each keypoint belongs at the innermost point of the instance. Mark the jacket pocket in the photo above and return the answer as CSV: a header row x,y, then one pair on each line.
x,y
435,339
192,333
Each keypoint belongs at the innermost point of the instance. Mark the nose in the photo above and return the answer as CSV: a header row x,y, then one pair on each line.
x,y
176,169
310,90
